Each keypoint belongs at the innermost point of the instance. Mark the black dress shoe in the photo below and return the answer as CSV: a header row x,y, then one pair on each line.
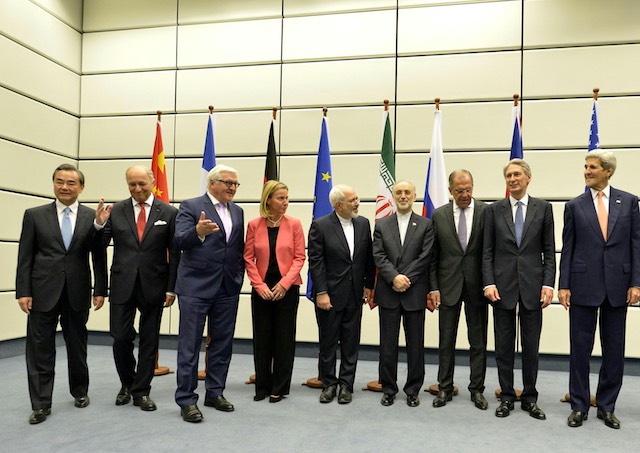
x,y
191,414
609,419
576,418
504,409
328,394
259,397
413,401
387,399
344,396
82,401
220,403
39,415
442,398
123,396
145,403
275,398
479,400
534,410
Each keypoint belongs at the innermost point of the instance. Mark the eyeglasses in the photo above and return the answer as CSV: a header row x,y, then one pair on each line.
x,y
463,191
229,184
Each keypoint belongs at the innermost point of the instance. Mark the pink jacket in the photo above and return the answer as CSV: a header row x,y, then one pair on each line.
x,y
290,252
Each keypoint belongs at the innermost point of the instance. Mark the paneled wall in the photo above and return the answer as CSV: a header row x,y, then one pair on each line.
x,y
244,58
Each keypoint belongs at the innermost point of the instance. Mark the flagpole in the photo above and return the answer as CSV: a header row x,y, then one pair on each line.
x,y
595,93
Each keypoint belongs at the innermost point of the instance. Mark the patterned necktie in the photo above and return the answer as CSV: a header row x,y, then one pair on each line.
x,y
65,228
462,229
519,223
223,212
141,223
603,218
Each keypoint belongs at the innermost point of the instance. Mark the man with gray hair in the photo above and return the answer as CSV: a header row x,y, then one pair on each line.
x,y
210,234
518,273
143,277
341,265
599,273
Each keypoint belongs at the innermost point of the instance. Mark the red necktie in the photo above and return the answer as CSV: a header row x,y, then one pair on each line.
x,y
142,221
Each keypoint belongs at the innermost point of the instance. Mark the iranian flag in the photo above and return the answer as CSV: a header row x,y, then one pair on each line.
x,y
387,177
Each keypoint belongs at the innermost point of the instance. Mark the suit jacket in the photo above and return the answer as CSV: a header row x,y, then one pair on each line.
x,y
411,259
453,268
290,252
332,269
519,273
204,266
45,265
595,269
153,258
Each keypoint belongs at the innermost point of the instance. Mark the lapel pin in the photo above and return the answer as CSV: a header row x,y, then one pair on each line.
x,y
618,201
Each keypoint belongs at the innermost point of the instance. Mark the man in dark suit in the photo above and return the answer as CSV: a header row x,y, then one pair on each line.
x,y
402,248
342,269
599,272
143,276
456,277
518,270
210,233
53,282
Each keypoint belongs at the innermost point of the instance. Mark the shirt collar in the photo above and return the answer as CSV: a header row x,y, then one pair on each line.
x,y
404,216
149,201
61,206
344,222
213,199
524,200
457,208
606,191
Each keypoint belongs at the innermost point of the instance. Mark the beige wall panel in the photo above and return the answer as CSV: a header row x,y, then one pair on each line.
x,y
632,344
243,321
13,207
41,166
250,87
37,29
459,28
235,133
99,320
471,126
338,82
13,321
32,123
8,263
129,50
405,3
459,77
200,11
38,77
350,129
370,334
229,43
307,327
120,14
566,122
339,36
575,71
551,23
554,338
68,11
307,7
124,136
105,179
131,93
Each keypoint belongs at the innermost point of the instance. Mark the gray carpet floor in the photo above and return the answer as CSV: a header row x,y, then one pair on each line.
x,y
300,423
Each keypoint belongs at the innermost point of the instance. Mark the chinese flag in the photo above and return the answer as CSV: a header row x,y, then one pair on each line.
x,y
160,189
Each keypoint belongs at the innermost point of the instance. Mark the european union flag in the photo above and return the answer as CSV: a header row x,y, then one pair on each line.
x,y
516,138
594,140
208,157
324,184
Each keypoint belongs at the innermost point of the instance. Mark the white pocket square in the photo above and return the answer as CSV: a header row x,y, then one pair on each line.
x,y
160,222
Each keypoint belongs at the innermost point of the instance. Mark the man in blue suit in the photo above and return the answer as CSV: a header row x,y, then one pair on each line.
x,y
599,271
210,234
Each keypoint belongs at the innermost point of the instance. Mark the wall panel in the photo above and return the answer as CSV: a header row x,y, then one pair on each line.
x,y
111,51
9,251
13,321
201,11
310,7
121,14
229,43
68,11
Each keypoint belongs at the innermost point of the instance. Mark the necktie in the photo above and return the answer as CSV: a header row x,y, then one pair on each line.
x,y
603,218
141,223
462,229
65,228
226,219
519,223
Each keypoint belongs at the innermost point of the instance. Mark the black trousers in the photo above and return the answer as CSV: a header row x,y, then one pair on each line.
x,y
274,341
505,337
339,328
413,322
41,351
476,315
122,316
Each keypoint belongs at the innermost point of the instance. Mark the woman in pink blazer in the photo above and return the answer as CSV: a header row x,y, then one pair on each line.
x,y
274,253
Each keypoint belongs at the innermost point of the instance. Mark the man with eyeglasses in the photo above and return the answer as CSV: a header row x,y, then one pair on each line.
x,y
456,277
210,234
343,272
